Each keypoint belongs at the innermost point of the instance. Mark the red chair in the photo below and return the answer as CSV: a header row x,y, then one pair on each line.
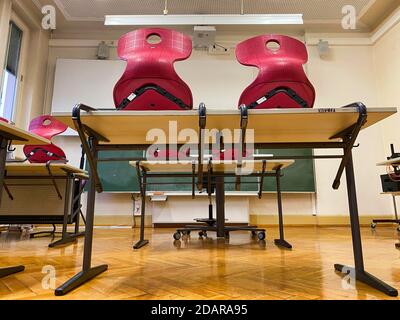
x,y
46,127
232,154
150,81
282,82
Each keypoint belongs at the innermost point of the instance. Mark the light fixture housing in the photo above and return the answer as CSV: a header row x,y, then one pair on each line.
x,y
203,19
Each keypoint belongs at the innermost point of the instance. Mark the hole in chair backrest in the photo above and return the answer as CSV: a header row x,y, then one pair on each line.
x,y
47,122
273,45
153,38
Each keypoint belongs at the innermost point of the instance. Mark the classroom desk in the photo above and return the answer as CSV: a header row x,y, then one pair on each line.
x,y
395,162
304,125
11,134
218,170
391,162
53,171
284,129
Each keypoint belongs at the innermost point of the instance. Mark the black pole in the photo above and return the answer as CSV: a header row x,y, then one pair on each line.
x,y
68,205
87,255
354,218
280,211
142,176
143,212
220,198
281,242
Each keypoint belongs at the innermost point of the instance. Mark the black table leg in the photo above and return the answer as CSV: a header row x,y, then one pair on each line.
x,y
359,271
68,205
220,199
4,272
142,242
281,242
88,272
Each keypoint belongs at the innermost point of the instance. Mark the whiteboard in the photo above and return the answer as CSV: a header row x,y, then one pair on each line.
x,y
90,82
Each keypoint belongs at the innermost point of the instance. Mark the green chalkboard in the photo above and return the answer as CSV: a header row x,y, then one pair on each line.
x,y
118,176
121,177
299,177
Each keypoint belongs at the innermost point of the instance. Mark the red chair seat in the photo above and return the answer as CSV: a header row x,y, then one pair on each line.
x,y
232,154
46,127
150,81
281,82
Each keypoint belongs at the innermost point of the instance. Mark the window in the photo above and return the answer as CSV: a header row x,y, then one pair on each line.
x,y
10,73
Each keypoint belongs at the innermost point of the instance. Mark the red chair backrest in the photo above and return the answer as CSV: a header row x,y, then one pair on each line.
x,y
152,64
281,68
46,127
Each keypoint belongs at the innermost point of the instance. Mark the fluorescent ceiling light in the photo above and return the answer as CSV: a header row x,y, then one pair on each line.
x,y
203,19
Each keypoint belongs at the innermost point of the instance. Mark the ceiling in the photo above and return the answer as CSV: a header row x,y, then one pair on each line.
x,y
319,15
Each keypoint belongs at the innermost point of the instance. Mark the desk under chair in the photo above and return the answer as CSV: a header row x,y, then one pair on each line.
x,y
215,173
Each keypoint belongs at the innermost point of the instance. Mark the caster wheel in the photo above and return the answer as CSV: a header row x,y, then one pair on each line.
x,y
177,236
177,244
253,234
261,236
188,233
202,234
373,225
398,228
227,235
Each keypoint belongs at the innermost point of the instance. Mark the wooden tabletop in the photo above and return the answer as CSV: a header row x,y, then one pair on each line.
x,y
391,162
26,138
274,125
38,169
248,166
394,193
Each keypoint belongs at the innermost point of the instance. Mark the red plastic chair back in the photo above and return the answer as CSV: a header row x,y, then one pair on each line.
x,y
281,75
46,127
152,65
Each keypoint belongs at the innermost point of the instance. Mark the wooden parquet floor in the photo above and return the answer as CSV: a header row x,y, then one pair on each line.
x,y
205,269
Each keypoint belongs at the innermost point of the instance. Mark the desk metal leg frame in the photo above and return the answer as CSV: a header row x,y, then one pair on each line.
x,y
68,208
88,272
143,185
281,242
4,272
358,271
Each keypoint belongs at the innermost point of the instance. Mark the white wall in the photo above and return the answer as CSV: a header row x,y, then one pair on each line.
x,y
346,75
386,55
